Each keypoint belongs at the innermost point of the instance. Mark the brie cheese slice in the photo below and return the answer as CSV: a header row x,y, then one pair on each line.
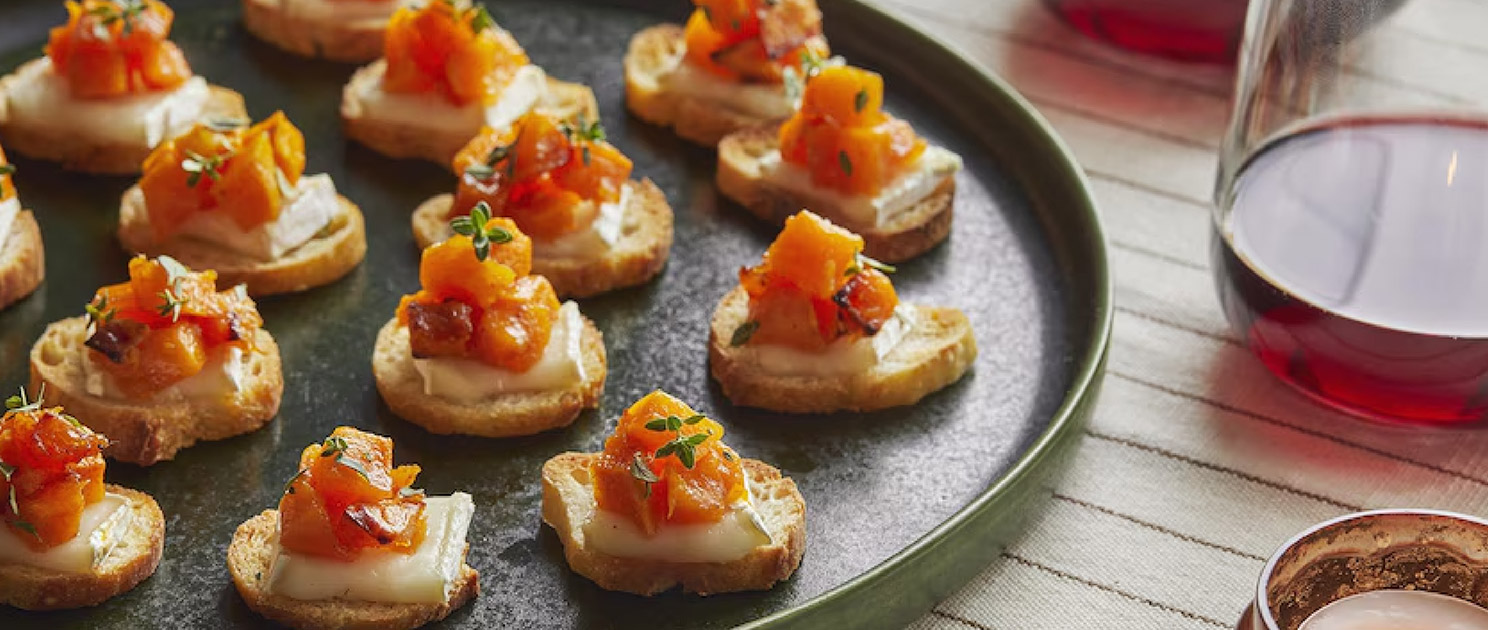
x,y
760,100
895,198
104,525
843,356
594,241
312,207
426,576
222,376
8,211
469,380
39,98
431,111
739,532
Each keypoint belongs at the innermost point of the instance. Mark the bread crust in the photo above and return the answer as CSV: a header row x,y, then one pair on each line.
x,y
568,503
344,40
146,432
910,234
403,141
250,556
641,253
523,413
22,259
79,152
132,560
652,54
937,352
323,260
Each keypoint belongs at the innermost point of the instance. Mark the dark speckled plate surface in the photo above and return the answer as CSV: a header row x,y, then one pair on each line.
x,y
903,505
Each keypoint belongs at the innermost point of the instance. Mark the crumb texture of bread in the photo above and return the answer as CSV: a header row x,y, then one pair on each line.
x,y
936,353
22,259
652,55
741,178
506,415
78,151
637,257
251,554
405,141
568,504
133,559
345,40
146,432
324,259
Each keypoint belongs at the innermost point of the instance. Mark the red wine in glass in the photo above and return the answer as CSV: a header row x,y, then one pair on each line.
x,y
1188,30
1354,262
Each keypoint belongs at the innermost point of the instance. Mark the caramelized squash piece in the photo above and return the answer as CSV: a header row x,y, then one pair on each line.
x,y
842,136
694,484
814,287
7,181
547,175
54,470
348,498
110,49
754,40
453,48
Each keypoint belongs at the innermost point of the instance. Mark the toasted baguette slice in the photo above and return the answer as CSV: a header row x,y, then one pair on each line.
x,y
355,40
333,253
250,556
644,245
23,260
146,432
80,152
519,413
568,504
936,352
653,55
398,140
911,233
133,559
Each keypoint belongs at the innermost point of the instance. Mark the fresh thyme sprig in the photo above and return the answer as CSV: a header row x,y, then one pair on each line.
x,y
197,165
487,169
99,313
116,11
481,234
743,333
684,447
863,261
585,132
7,169
172,300
335,446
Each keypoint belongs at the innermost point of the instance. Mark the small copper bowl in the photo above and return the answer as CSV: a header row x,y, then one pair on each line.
x,y
1420,550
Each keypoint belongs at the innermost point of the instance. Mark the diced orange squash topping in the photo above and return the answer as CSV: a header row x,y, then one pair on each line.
x,y
814,287
842,136
697,486
7,181
506,316
453,48
160,327
215,168
111,48
52,469
549,176
754,40
348,498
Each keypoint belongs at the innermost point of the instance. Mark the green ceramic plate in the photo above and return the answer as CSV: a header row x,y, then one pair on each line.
x,y
904,506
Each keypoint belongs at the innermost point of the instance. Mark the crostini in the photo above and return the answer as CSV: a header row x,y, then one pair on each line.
x,y
162,361
730,68
67,540
448,70
109,89
22,258
235,199
817,327
354,545
593,230
485,348
668,504
338,30
842,157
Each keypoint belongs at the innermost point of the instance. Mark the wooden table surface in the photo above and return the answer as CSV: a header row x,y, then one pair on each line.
x,y
1197,463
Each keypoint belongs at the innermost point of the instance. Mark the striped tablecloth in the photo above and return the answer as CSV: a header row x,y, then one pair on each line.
x,y
1197,463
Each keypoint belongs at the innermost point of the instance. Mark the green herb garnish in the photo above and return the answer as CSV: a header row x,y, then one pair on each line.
x,y
336,447
860,101
481,234
743,333
7,169
684,447
117,11
197,165
481,19
99,312
844,162
863,261
583,131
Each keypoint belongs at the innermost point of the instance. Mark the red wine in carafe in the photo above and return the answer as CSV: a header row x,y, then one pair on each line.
x,y
1354,262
